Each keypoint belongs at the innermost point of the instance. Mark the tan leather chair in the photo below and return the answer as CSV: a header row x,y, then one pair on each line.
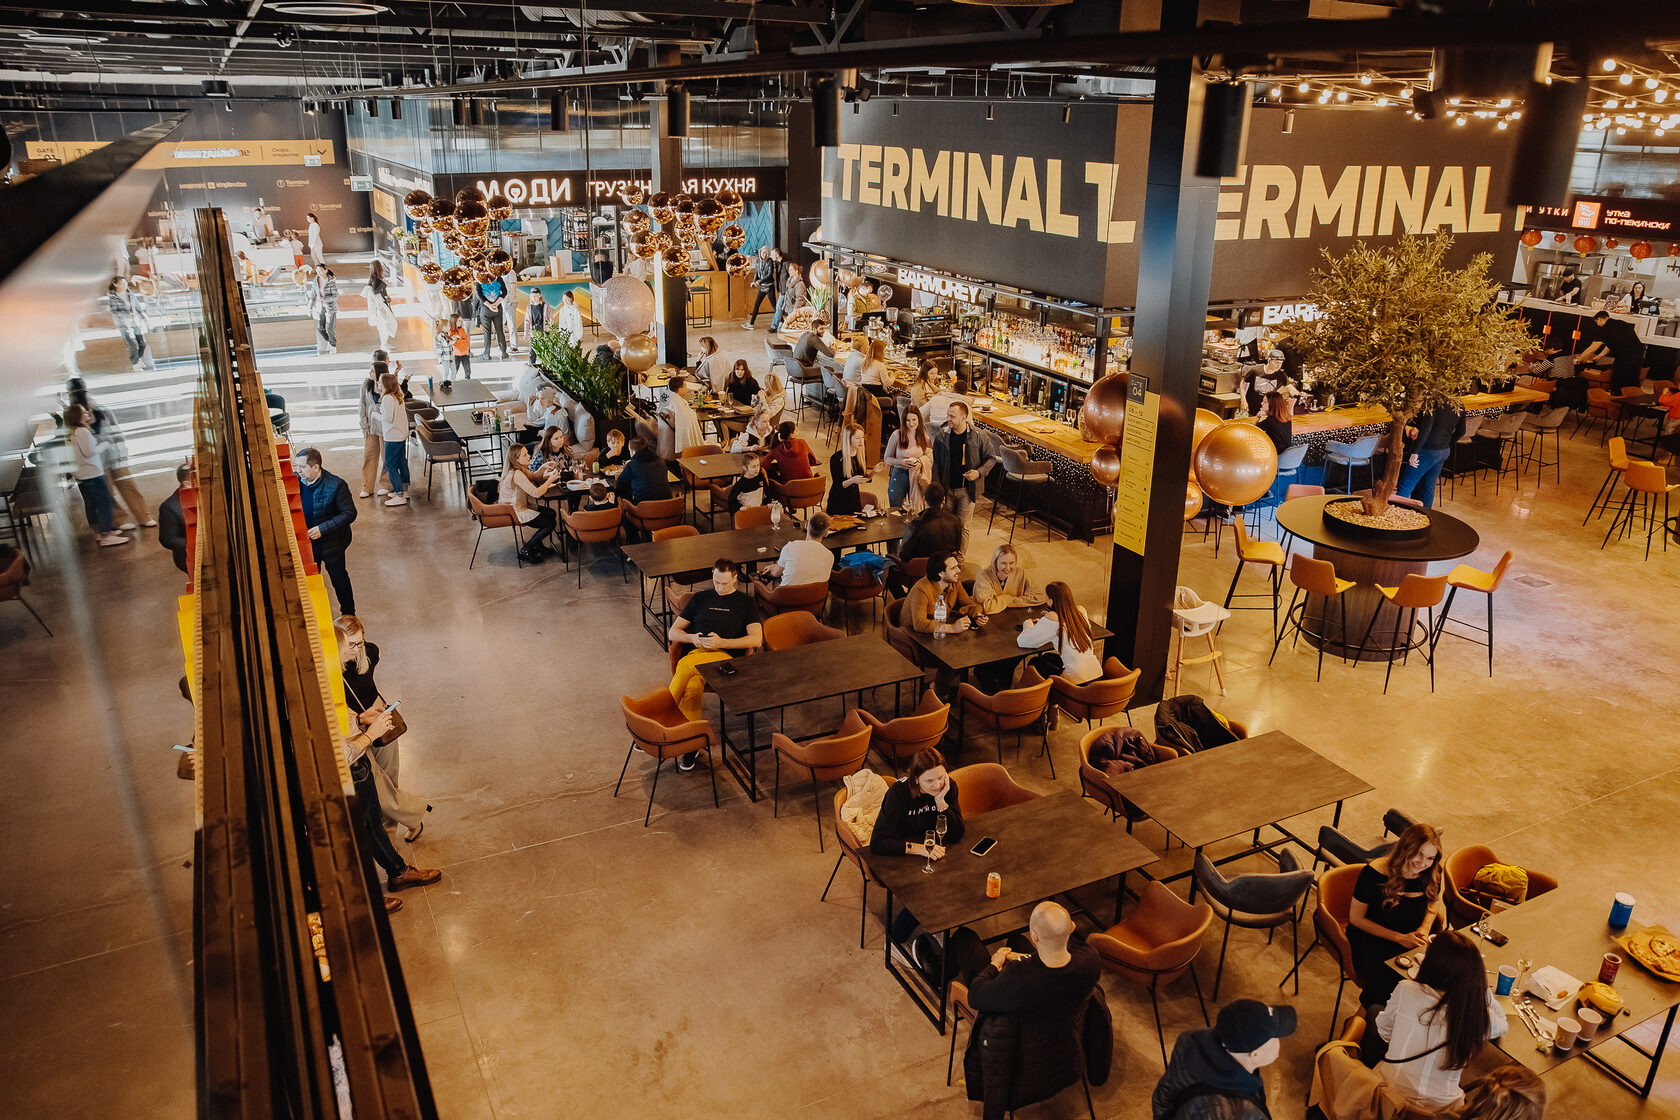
x,y
659,729
592,526
1156,945
811,597
828,759
499,515
851,585
898,636
1461,868
693,576
796,628
13,580
1012,709
1093,781
1106,696
1330,922
984,786
851,850
751,517
799,493
1646,482
897,740
1602,407
655,513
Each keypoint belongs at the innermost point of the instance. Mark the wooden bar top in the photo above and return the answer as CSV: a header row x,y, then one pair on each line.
x,y
1029,427
1360,416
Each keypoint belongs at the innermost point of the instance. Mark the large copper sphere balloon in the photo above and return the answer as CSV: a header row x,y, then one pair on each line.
x,y
499,206
625,306
639,247
729,199
635,196
1105,465
677,266
637,220
639,352
662,242
442,214
501,261
660,204
683,204
469,194
431,272
485,275
457,276
1105,409
738,265
416,204
1192,500
820,275
707,207
734,237
1206,422
1235,464
710,223
457,294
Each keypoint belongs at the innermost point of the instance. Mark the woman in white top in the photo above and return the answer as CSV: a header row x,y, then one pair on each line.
x,y
546,411
90,475
517,490
317,247
755,437
772,399
1066,626
909,458
568,318
393,425
1436,1024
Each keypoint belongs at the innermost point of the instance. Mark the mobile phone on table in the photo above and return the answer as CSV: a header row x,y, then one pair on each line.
x,y
728,669
985,845
1494,937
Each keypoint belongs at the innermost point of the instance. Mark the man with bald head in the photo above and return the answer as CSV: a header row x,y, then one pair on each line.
x,y
1054,979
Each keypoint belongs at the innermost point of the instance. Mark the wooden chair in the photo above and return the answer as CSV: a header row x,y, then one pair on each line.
x,y
1012,709
752,517
800,493
1156,945
897,740
498,515
849,584
593,526
659,729
827,759
1461,868
1108,695
1194,618
1330,922
652,514
796,628
850,849
984,786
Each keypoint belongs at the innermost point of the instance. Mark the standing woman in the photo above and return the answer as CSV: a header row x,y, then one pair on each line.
x,y
1066,626
317,246
910,459
846,470
568,318
114,455
1436,1024
380,316
375,478
393,428
362,697
703,370
130,321
741,385
1396,902
90,475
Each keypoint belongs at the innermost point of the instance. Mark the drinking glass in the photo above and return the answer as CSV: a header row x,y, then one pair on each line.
x,y
929,841
939,828
775,515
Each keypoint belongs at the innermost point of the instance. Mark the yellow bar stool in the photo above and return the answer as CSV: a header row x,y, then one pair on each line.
x,y
1416,592
1312,577
1266,554
1474,579
1645,482
1618,465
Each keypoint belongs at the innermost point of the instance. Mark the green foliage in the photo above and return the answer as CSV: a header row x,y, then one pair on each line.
x,y
1400,330
600,386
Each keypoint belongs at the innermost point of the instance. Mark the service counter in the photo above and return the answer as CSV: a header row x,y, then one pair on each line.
x,y
1349,423
1074,501
1557,323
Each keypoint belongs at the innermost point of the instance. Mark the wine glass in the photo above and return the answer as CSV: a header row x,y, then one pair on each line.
x,y
939,828
929,841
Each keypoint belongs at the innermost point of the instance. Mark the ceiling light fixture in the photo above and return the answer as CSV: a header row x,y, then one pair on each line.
x,y
1609,65
1626,79
1304,87
1277,92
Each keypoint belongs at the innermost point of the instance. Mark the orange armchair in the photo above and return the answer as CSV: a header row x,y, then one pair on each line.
x,y
12,581
1157,944
1330,923
658,728
751,517
592,526
499,515
810,597
985,786
898,636
1093,781
851,585
1012,709
1461,868
898,740
796,628
655,513
1106,696
799,493
827,759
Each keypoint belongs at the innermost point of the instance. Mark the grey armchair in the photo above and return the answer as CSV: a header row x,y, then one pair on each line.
x,y
1257,901
1337,849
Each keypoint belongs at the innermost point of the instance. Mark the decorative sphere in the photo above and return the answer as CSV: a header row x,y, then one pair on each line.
x,y
738,265
1236,463
639,352
1205,423
1105,409
1105,465
677,267
626,306
734,236
820,275
417,204
1531,238
1192,499
469,194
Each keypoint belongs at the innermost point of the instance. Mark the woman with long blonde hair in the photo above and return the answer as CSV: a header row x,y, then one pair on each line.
x,y
846,470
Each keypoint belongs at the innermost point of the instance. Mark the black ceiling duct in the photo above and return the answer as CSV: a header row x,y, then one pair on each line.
x,y
1546,138
825,114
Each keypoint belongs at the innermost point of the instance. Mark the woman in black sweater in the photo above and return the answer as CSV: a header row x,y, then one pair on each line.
x,y
909,812
1278,422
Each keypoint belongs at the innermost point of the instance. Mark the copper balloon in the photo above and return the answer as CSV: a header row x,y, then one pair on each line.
x,y
417,204
729,199
684,204
639,352
1105,408
739,265
442,214
662,242
1236,464
431,272
710,223
499,206
707,207
734,237
1205,422
677,266
1192,500
1105,465
456,276
635,196
636,220
469,194
484,275
456,294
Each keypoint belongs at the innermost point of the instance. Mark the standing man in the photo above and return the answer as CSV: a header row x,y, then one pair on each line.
x,y
536,315
262,227
791,299
490,298
679,425
962,457
326,310
1258,380
1215,1073
317,245
510,315
172,519
764,284
328,511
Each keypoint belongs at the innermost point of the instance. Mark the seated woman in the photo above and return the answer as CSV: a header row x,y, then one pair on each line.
x,y
773,400
707,368
846,470
1396,903
789,458
741,386
910,814
1435,1024
1278,421
616,454
553,452
546,411
1003,583
756,436
1066,626
748,488
517,490
868,373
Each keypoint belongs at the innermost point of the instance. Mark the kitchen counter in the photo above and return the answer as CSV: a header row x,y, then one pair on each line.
x,y
1644,325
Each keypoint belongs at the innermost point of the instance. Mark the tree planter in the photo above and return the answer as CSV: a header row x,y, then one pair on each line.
x,y
1396,523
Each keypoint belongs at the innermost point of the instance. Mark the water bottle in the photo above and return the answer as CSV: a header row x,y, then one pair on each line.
x,y
940,614
431,390
498,423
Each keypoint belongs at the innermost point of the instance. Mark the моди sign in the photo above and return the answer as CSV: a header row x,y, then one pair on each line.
x,y
1054,207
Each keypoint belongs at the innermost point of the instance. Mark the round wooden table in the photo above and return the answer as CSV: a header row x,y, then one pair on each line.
x,y
1368,561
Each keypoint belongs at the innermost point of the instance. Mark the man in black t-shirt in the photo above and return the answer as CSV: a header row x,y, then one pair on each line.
x,y
719,623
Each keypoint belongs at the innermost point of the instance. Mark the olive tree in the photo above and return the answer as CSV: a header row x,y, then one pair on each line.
x,y
1399,329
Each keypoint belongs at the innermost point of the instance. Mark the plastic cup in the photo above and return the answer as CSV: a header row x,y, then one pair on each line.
x,y
1567,1031
1590,1021
1621,911
1507,980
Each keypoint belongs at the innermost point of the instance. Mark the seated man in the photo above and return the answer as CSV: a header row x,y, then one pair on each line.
x,y
1214,1073
720,622
645,477
803,561
938,604
811,343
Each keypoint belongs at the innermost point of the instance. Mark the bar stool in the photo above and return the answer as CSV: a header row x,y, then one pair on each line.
x,y
1416,592
1359,453
1267,554
1312,577
1023,472
1618,464
1197,619
1466,445
1539,425
1474,579
1503,429
1644,482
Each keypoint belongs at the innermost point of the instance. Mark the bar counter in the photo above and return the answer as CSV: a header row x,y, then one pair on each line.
x,y
1349,423
1074,501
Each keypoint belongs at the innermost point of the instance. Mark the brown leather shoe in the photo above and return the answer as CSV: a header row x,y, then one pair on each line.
x,y
392,905
413,877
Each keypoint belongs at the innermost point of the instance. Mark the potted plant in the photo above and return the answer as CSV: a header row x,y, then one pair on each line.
x,y
602,386
1399,329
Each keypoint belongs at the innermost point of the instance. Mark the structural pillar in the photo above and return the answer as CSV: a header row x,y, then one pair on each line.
x,y
670,293
1174,276
803,212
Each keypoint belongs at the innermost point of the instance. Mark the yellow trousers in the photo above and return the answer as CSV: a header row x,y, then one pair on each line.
x,y
687,685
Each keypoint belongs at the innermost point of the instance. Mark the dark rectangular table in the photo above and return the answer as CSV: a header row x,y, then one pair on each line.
x,y
770,680
488,443
1245,786
460,394
658,560
1045,847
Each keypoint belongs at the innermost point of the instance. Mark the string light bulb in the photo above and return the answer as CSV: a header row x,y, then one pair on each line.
x,y
1277,92
1406,93
1626,79
1304,87
1660,96
1650,83
1609,65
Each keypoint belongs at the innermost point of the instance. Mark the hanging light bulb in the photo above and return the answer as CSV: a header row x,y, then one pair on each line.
x,y
1609,65
1460,122
1304,87
1405,93
1277,92
1341,95
1650,83
1660,96
1625,79
1365,79
1382,102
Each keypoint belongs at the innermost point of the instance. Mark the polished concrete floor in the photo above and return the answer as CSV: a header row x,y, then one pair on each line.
x,y
573,963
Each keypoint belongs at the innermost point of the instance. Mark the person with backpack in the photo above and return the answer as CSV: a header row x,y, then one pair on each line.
x,y
1214,1073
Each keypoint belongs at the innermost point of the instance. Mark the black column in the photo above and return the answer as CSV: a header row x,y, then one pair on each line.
x,y
1174,274
671,292
803,212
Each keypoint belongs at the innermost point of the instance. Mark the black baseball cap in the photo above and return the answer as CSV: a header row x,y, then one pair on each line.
x,y
1247,1024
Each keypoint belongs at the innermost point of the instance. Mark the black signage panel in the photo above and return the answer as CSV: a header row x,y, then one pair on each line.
x,y
1028,200
1592,213
539,190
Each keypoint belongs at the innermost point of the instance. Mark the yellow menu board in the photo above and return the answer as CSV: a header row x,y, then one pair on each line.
x,y
1137,468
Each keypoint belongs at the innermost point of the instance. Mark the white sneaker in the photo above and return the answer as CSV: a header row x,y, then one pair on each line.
x,y
127,527
382,491
149,524
397,500
364,494
111,540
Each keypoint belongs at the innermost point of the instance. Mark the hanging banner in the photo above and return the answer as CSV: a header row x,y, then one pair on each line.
x,y
1026,199
1137,465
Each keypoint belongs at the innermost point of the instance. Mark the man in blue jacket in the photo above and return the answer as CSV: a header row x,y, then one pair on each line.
x,y
328,511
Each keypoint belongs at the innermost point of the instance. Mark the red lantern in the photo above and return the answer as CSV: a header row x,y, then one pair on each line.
x,y
1558,237
1673,249
1585,244
1639,250
1531,238
1611,243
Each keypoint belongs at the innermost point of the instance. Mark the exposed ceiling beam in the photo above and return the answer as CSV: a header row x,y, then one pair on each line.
x,y
443,19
